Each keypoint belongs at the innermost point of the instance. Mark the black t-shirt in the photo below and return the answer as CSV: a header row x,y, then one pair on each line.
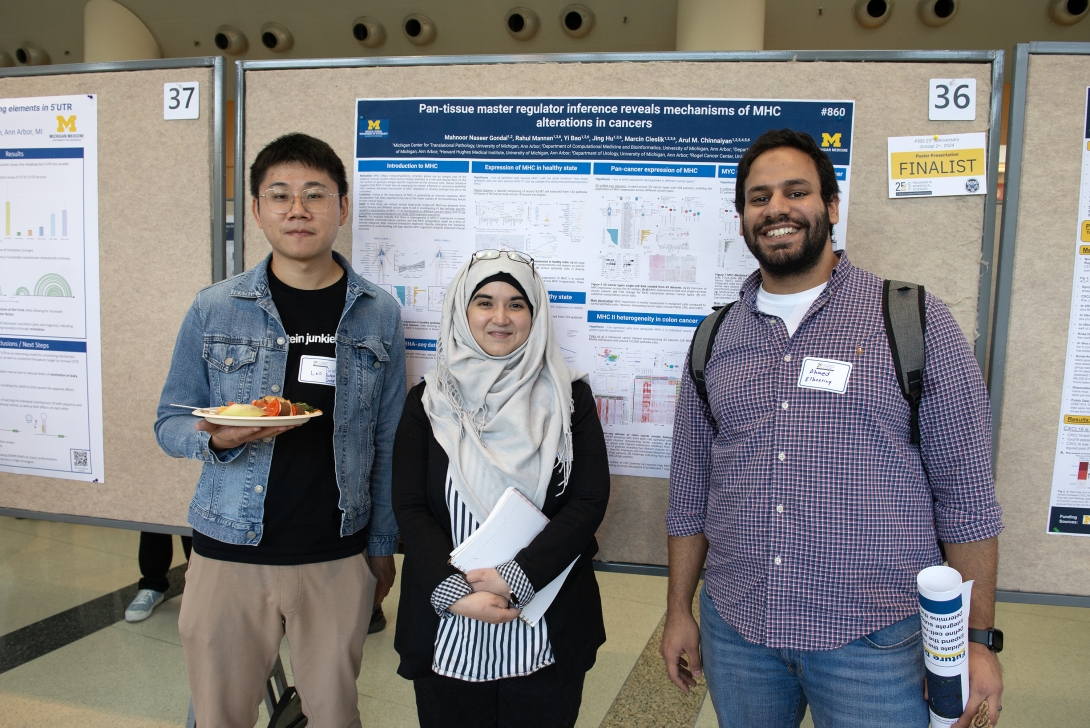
x,y
302,523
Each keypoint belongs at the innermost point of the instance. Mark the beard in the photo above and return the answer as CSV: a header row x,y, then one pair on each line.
x,y
783,263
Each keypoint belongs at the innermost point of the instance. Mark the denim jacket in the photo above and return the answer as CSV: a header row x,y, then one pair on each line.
x,y
233,347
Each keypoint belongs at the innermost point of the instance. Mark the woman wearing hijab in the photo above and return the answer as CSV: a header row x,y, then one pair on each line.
x,y
500,409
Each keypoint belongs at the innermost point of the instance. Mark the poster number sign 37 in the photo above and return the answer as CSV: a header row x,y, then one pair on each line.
x,y
626,206
50,342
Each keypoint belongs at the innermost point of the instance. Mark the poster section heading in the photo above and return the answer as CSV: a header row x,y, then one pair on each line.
x,y
1069,503
687,130
632,228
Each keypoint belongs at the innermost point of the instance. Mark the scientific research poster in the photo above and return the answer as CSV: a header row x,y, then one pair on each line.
x,y
626,206
50,342
1069,506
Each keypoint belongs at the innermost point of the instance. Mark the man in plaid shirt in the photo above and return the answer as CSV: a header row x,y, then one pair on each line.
x,y
805,496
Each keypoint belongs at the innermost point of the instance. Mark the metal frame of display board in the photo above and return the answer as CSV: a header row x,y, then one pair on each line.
x,y
219,224
984,308
1004,272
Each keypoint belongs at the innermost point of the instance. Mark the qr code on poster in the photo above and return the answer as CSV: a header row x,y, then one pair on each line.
x,y
81,461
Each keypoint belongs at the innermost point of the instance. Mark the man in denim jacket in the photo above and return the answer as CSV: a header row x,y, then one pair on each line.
x,y
293,529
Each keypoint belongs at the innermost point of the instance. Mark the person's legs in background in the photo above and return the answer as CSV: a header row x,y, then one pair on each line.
x,y
155,554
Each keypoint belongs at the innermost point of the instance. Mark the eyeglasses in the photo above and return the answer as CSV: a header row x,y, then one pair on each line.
x,y
315,199
511,255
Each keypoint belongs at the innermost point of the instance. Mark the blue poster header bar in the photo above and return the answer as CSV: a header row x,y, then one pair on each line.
x,y
673,131
61,153
730,171
643,319
568,297
42,345
419,344
654,170
531,167
405,165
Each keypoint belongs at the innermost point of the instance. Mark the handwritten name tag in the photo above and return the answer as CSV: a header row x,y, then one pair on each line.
x,y
827,374
318,370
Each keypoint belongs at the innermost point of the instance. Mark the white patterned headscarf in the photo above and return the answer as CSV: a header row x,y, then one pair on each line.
x,y
502,420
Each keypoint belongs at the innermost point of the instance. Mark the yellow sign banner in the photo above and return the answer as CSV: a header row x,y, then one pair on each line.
x,y
1077,419
936,164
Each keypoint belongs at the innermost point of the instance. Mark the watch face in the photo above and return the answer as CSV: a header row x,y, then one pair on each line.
x,y
997,640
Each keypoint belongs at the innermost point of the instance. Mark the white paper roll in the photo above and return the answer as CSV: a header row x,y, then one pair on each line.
x,y
944,620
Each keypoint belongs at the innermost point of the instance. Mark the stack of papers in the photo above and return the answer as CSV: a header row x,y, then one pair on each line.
x,y
509,528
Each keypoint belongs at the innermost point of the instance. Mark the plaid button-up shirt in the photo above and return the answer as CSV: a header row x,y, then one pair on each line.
x,y
818,510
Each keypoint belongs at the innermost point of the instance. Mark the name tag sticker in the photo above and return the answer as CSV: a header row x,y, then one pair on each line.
x,y
320,370
826,374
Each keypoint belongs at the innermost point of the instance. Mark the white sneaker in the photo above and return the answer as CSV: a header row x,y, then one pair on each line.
x,y
145,601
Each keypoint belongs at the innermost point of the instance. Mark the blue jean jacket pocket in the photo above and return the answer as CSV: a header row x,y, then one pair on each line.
x,y
371,357
230,369
897,635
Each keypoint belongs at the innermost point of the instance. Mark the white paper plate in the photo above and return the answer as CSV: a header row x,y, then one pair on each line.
x,y
211,416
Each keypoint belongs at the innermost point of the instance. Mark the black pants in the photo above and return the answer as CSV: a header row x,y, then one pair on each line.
x,y
538,700
156,553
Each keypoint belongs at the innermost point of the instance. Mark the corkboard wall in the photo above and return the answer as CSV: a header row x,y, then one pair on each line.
x,y
155,244
936,242
1030,559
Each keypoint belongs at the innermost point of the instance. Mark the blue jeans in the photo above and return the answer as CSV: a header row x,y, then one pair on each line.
x,y
875,680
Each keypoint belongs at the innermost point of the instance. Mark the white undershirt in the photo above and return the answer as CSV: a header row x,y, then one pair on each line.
x,y
789,307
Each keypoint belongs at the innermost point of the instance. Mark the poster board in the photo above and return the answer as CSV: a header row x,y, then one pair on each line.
x,y
1033,294
161,239
892,238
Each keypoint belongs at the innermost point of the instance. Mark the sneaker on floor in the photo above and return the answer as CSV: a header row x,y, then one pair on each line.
x,y
378,620
141,606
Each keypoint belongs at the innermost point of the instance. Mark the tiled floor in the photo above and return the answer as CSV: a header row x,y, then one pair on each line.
x,y
134,675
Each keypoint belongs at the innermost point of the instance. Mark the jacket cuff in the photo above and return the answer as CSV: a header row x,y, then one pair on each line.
x,y
382,545
450,590
522,591
207,454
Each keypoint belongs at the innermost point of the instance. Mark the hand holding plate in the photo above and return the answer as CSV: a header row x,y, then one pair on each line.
x,y
225,437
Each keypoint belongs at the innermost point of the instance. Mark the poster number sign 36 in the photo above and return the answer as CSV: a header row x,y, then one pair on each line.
x,y
626,206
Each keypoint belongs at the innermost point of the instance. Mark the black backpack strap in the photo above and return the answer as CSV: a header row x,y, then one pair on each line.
x,y
903,308
701,348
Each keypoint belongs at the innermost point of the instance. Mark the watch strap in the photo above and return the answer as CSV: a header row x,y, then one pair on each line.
x,y
990,638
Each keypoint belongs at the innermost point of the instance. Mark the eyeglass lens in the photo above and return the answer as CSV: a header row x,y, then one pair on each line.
x,y
314,200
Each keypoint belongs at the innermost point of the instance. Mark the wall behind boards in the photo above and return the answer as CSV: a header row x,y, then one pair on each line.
x,y
1048,216
936,242
155,238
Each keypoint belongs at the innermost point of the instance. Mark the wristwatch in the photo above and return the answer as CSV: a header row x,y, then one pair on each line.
x,y
990,638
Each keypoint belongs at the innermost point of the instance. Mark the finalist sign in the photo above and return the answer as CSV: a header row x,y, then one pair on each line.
x,y
937,166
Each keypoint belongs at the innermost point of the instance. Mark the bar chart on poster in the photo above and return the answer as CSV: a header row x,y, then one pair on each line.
x,y
50,370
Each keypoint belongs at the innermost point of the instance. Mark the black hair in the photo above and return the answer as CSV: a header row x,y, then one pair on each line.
x,y
300,149
775,139
510,280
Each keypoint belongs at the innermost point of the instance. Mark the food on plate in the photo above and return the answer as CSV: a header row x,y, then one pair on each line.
x,y
240,410
267,407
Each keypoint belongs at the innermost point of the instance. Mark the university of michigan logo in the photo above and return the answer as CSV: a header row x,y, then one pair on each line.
x,y
371,128
830,140
66,124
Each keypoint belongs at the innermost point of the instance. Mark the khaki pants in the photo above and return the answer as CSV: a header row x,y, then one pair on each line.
x,y
234,616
